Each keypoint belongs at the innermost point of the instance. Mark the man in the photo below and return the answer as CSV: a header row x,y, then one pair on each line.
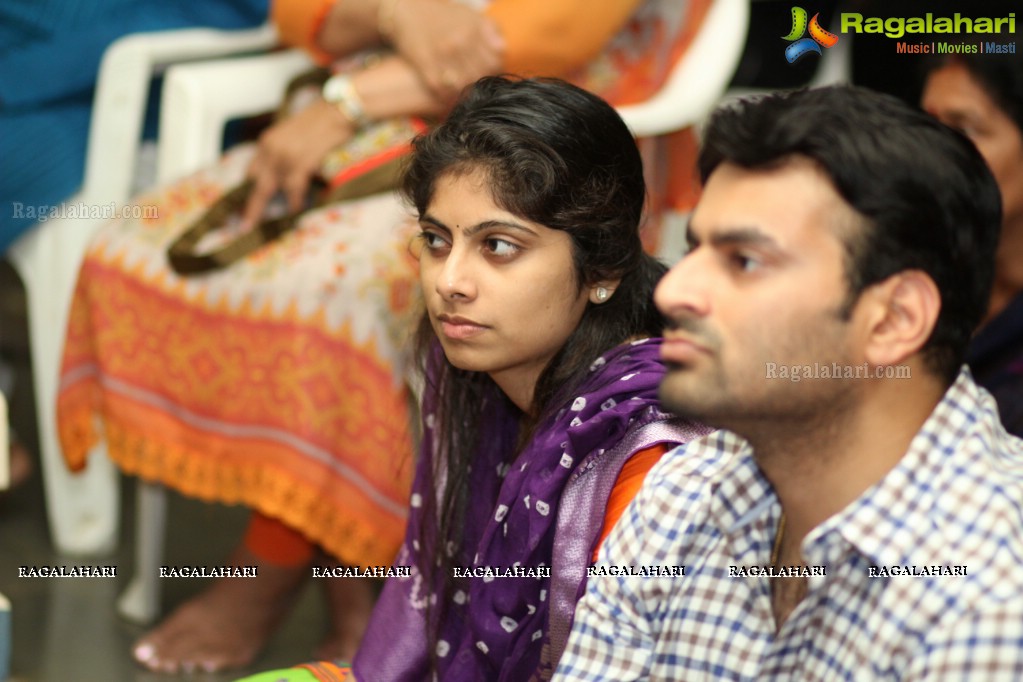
x,y
841,255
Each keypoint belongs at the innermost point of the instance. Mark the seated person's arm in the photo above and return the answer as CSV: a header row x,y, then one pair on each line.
x,y
450,44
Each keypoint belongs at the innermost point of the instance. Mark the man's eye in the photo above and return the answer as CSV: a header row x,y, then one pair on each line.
x,y
745,263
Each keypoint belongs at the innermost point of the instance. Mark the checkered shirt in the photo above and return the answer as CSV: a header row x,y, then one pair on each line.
x,y
954,499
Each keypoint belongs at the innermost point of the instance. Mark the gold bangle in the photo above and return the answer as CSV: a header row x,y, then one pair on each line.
x,y
386,11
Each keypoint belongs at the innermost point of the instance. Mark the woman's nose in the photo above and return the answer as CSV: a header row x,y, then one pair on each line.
x,y
455,278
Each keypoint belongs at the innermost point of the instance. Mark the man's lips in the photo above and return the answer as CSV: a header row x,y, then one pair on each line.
x,y
678,348
457,327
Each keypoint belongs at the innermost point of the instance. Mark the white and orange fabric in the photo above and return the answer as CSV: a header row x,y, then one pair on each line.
x,y
280,382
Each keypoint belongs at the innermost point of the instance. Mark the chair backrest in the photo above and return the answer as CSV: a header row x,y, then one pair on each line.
x,y
122,90
699,78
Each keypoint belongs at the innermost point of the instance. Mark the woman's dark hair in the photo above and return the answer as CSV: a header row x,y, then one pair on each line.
x,y
556,155
926,197
1001,77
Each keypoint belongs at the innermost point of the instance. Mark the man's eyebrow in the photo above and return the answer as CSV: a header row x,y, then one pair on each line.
x,y
479,227
741,236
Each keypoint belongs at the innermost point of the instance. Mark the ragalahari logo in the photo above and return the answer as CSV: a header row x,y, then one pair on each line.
x,y
803,46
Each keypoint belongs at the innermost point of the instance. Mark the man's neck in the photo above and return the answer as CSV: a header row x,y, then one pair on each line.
x,y
824,468
827,465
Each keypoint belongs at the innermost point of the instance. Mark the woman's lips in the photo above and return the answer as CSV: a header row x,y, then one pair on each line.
x,y
455,327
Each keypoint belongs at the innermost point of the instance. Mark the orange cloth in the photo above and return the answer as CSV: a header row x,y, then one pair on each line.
x,y
299,22
277,543
541,37
550,38
630,478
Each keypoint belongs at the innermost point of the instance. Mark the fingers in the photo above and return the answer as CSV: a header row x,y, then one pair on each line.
x,y
450,71
451,45
289,155
295,186
294,183
264,188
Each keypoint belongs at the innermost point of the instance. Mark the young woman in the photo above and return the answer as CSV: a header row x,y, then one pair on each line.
x,y
540,410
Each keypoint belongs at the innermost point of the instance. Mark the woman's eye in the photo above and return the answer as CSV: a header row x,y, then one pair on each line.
x,y
501,248
433,241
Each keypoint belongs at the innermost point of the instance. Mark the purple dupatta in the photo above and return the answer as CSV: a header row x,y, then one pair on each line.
x,y
495,628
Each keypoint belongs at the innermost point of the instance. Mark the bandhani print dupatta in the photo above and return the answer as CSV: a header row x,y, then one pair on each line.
x,y
495,627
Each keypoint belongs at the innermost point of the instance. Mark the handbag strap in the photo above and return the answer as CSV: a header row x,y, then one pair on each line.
x,y
184,259
378,173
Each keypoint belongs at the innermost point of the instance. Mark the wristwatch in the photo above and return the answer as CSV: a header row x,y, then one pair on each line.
x,y
340,91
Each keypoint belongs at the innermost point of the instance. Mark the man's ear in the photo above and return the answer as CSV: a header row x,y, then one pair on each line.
x,y
901,313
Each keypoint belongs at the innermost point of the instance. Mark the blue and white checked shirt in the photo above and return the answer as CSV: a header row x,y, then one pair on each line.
x,y
955,499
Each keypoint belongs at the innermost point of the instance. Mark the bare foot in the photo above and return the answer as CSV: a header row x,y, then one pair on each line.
x,y
225,626
350,601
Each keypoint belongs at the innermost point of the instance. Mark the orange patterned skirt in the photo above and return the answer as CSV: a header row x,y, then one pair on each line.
x,y
277,383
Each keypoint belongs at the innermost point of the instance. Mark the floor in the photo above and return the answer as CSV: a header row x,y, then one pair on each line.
x,y
67,630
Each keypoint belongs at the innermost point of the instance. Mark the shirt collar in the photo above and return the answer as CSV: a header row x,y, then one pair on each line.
x,y
743,505
888,521
893,521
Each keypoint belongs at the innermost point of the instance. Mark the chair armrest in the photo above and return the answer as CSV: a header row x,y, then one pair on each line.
x,y
5,450
122,88
199,99
699,78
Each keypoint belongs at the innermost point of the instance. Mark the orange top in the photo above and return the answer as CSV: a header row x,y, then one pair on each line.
x,y
629,481
541,36
298,23
552,37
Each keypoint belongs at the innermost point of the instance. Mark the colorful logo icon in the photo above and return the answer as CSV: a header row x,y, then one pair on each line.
x,y
803,46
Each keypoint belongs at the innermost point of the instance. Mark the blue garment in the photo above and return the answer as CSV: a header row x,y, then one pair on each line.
x,y
995,357
50,51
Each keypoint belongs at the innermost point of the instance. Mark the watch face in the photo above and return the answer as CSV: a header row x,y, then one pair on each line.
x,y
334,88
338,90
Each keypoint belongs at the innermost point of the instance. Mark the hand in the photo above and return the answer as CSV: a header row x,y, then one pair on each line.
x,y
449,44
289,154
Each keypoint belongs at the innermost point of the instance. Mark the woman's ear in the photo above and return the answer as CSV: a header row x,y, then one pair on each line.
x,y
602,291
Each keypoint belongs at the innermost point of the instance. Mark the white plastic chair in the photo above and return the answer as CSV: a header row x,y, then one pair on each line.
x,y
5,605
5,448
83,509
199,99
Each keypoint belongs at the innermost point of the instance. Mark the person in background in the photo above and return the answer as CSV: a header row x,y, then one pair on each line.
x,y
859,513
540,416
281,382
982,96
50,52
